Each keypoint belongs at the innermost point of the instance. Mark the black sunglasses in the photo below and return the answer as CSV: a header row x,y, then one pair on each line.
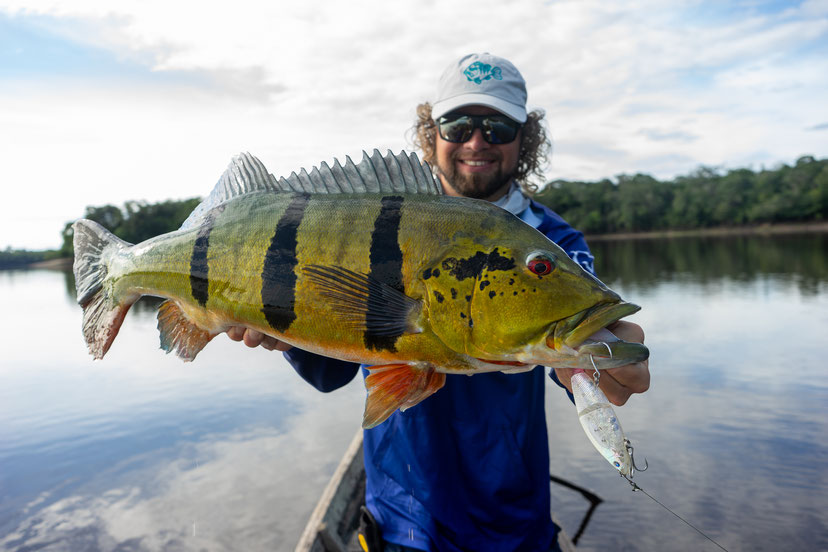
x,y
497,129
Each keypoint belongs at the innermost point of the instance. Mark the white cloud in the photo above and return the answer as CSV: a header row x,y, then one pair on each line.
x,y
296,84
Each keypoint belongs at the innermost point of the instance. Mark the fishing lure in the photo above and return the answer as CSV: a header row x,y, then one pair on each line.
x,y
601,425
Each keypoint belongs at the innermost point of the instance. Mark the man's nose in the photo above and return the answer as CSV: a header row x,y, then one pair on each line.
x,y
477,142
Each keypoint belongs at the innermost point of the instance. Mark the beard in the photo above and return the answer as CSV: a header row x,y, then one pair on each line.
x,y
476,186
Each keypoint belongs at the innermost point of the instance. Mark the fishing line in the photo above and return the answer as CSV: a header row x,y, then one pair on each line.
x,y
635,487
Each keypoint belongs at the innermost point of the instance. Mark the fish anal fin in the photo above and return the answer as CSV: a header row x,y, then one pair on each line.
x,y
397,386
179,333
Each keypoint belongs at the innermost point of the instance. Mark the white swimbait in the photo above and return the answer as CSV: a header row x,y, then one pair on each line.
x,y
600,423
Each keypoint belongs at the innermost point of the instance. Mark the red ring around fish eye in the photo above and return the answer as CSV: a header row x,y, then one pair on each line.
x,y
540,265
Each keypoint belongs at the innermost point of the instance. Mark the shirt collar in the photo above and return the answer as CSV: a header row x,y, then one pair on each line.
x,y
515,201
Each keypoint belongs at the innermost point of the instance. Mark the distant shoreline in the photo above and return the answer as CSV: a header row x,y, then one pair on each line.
x,y
721,231
763,229
64,263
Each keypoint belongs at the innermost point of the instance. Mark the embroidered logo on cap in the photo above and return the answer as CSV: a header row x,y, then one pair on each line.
x,y
477,72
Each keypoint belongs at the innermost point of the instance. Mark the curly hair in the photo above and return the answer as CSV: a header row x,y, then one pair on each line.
x,y
534,145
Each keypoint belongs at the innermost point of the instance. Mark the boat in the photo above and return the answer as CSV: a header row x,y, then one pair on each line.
x,y
333,525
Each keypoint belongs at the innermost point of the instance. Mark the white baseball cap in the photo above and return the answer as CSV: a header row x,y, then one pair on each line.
x,y
482,79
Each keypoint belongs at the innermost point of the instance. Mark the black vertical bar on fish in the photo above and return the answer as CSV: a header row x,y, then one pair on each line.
x,y
278,276
199,270
386,267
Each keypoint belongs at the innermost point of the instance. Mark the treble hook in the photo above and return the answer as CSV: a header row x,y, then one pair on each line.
x,y
596,376
630,449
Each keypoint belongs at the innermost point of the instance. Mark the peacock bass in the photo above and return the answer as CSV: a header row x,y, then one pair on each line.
x,y
369,263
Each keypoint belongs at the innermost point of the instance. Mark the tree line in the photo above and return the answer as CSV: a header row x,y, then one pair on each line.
x,y
136,221
706,198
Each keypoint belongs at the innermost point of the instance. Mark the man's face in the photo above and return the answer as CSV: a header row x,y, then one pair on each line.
x,y
476,168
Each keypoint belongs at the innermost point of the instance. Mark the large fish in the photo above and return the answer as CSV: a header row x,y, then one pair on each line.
x,y
368,263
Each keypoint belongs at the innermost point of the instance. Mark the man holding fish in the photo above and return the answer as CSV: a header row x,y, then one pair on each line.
x,y
467,468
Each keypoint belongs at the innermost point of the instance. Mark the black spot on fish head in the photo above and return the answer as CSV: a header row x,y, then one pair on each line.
x,y
427,274
473,267
483,284
453,293
436,272
468,298
462,315
492,294
438,296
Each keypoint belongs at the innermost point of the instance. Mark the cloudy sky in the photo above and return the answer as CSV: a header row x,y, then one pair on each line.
x,y
104,102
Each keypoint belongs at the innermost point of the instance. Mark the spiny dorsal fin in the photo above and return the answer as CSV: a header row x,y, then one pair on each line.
x,y
400,173
243,175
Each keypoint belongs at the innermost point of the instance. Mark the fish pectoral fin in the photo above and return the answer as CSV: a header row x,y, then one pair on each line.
x,y
179,334
397,386
364,302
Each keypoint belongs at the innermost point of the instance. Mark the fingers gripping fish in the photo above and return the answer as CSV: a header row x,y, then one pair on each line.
x,y
368,263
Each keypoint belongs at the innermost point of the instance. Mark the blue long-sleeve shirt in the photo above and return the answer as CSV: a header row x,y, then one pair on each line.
x,y
467,468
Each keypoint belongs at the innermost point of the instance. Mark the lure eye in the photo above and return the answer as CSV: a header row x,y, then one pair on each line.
x,y
617,464
540,265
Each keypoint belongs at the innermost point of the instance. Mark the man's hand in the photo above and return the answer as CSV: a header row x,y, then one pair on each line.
x,y
618,384
253,338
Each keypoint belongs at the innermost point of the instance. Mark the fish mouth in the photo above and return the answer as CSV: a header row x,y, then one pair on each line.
x,y
584,334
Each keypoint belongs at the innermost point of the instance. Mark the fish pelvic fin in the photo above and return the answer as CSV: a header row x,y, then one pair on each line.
x,y
397,386
179,334
103,313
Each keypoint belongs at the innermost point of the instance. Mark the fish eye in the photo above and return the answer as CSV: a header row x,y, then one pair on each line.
x,y
540,264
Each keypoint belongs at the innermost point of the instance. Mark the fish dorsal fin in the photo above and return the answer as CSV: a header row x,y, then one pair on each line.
x,y
243,175
397,173
392,173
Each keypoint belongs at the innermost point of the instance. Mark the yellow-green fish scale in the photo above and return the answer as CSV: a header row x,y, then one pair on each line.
x,y
441,239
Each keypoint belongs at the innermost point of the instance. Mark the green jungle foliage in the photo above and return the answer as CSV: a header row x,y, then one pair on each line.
x,y
703,199
136,222
706,198
14,258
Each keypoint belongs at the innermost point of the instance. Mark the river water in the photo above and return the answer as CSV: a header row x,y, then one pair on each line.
x,y
141,451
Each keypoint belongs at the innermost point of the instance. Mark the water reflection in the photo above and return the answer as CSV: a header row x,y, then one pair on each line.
x,y
802,259
143,452
733,426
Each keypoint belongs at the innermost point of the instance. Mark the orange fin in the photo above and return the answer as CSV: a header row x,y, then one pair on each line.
x,y
397,386
179,333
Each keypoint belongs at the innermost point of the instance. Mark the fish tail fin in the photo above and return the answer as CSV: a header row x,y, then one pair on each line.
x,y
397,386
103,314
179,334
